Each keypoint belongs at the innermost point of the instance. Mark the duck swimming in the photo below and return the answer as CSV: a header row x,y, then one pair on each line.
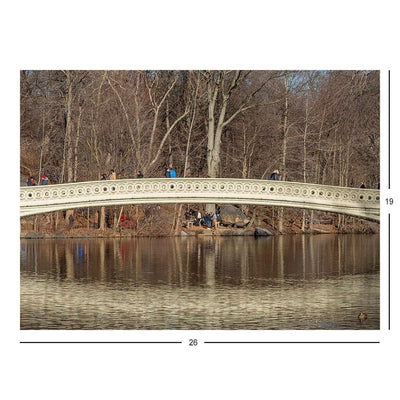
x,y
362,316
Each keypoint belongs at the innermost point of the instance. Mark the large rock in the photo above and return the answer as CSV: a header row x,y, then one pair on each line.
x,y
233,216
31,235
262,232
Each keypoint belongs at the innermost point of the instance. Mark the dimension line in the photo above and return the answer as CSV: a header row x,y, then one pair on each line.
x,y
389,128
291,342
389,269
100,342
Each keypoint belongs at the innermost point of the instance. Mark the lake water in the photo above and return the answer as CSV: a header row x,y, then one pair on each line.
x,y
282,282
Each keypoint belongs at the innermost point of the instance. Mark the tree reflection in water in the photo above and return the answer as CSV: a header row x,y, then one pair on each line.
x,y
284,282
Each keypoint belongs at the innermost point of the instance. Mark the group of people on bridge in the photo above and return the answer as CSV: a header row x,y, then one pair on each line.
x,y
169,173
31,181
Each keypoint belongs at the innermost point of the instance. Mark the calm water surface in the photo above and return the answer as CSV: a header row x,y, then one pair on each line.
x,y
285,282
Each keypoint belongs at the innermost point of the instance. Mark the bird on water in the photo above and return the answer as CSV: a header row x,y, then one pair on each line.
x,y
362,316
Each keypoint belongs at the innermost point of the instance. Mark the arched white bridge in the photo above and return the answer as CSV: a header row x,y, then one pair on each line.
x,y
362,203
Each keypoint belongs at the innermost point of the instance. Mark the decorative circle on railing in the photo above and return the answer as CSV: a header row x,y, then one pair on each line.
x,y
288,190
221,187
138,188
129,188
47,194
231,187
296,191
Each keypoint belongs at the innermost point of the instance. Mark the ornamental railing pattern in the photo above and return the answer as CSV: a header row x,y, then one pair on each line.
x,y
351,201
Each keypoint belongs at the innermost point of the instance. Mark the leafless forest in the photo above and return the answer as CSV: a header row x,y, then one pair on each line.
x,y
314,126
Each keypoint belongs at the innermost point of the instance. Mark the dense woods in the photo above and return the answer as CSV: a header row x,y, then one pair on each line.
x,y
314,126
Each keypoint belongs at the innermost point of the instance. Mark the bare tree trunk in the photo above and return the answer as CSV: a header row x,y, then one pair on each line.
x,y
102,218
78,132
284,132
303,224
190,130
45,142
67,154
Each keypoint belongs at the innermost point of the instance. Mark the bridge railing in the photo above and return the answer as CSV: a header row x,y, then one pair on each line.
x,y
352,201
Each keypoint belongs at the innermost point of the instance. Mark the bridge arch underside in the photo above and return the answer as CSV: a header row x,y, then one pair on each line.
x,y
360,203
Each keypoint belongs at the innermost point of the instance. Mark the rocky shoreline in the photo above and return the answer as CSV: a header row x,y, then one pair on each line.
x,y
189,232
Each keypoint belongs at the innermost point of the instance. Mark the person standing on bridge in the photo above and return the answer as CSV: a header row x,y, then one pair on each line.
x,y
45,180
274,176
172,173
113,175
167,173
139,174
30,181
362,185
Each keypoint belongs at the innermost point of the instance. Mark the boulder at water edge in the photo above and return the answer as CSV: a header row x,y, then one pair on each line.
x,y
233,216
262,232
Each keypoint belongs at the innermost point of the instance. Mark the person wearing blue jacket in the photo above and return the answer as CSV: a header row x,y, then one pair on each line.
x,y
172,173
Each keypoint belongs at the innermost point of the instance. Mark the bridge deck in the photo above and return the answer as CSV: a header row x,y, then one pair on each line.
x,y
363,203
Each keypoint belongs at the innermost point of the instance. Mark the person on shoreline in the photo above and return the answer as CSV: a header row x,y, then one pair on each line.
x,y
198,218
219,219
215,220
274,176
